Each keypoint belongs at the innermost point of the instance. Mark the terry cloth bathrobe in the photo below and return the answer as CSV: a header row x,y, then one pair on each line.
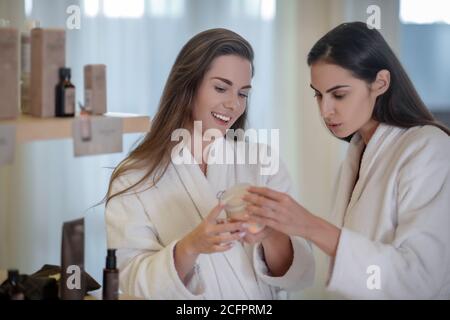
x,y
395,239
145,227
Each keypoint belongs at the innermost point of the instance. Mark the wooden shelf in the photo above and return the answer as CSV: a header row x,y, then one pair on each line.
x,y
32,129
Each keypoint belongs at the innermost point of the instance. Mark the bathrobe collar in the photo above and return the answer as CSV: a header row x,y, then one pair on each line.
x,y
350,192
203,192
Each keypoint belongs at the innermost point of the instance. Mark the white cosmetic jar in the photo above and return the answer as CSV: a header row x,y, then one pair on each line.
x,y
235,205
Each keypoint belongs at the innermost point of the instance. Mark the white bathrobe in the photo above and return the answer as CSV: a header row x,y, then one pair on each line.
x,y
395,239
145,227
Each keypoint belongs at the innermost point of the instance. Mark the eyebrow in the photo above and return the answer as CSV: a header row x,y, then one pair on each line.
x,y
331,89
228,82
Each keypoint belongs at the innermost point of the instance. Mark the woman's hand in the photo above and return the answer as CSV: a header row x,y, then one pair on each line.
x,y
264,234
278,251
208,237
278,211
212,235
282,213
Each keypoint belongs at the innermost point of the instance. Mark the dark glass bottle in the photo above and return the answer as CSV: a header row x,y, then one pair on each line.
x,y
65,95
16,291
111,277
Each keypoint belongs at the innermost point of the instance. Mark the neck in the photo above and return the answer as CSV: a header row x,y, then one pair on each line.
x,y
368,130
198,147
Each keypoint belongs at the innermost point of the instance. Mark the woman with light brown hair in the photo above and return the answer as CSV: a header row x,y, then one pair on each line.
x,y
162,215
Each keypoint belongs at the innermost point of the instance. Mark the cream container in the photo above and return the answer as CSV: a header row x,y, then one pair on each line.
x,y
235,206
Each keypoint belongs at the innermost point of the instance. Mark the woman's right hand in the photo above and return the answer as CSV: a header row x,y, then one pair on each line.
x,y
208,237
212,235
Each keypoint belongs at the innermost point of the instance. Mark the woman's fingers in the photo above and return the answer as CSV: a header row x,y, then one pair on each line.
x,y
268,193
222,248
256,237
227,237
262,212
214,214
260,201
266,221
228,227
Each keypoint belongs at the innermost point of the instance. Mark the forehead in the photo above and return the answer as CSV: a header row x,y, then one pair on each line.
x,y
234,68
326,75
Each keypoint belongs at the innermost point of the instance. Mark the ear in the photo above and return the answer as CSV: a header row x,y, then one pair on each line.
x,y
381,83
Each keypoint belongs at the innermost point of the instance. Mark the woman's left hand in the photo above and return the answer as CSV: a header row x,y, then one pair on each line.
x,y
278,211
282,213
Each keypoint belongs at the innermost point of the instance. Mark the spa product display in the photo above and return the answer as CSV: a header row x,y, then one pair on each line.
x,y
25,65
47,57
16,291
111,277
95,88
9,73
73,281
65,95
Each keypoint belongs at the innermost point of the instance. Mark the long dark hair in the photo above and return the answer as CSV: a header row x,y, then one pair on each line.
x,y
175,106
364,52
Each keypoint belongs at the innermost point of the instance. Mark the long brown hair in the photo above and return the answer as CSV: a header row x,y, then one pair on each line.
x,y
364,52
175,106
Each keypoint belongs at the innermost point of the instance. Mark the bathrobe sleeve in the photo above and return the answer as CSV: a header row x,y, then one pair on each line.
x,y
146,267
414,265
301,273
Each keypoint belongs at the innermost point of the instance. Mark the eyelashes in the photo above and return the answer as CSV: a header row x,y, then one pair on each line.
x,y
222,90
219,89
336,96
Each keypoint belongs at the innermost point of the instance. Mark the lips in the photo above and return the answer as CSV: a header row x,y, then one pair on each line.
x,y
221,118
333,125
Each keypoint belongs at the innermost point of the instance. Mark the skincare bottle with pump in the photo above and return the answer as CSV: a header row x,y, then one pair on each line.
x,y
111,277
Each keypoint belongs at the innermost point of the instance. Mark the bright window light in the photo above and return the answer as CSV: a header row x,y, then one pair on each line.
x,y
252,7
268,9
166,8
158,8
262,9
28,7
176,8
123,9
425,12
91,7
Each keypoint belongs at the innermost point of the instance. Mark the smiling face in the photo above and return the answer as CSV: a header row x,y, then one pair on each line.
x,y
223,93
346,103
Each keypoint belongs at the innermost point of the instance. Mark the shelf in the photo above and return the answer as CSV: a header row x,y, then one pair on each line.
x,y
32,129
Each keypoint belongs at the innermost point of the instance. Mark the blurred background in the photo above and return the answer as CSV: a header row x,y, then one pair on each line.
x,y
138,40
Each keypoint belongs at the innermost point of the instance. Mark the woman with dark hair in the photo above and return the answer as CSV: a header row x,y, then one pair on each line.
x,y
172,238
391,233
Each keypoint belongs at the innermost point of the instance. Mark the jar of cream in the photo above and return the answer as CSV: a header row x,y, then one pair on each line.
x,y
235,206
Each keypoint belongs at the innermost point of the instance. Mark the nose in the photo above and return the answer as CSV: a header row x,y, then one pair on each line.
x,y
326,108
233,103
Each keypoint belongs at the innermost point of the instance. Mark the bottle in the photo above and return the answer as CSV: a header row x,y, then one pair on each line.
x,y
111,277
25,65
65,95
16,291
85,123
